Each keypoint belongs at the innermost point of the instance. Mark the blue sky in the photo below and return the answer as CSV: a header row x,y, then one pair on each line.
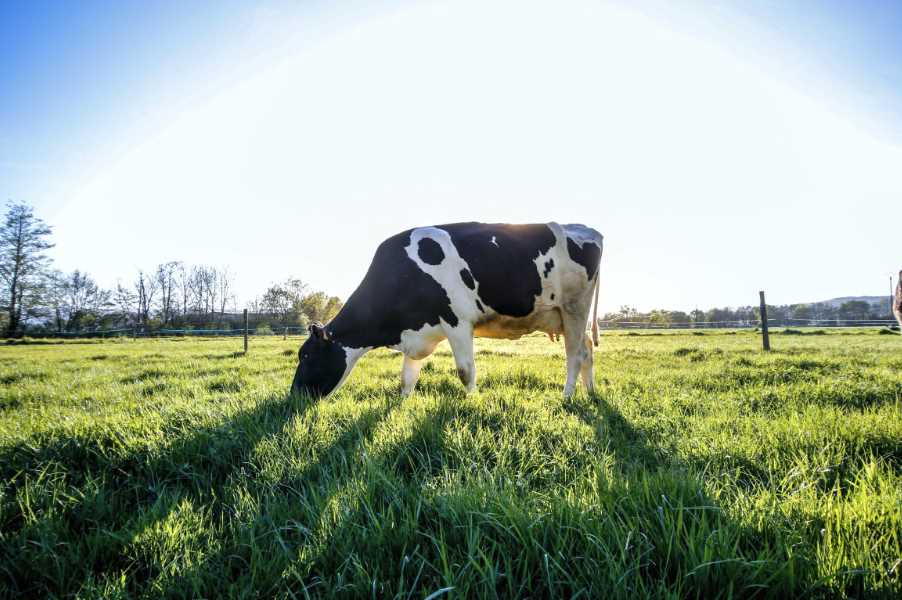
x,y
721,147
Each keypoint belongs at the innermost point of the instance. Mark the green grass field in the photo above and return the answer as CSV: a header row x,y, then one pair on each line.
x,y
701,468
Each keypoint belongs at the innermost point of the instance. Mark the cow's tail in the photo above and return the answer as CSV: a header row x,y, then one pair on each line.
x,y
595,309
597,286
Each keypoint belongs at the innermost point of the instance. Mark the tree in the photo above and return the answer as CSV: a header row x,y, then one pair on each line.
x,y
659,317
165,280
319,307
84,301
55,298
145,288
802,312
854,309
183,278
224,282
124,300
23,240
823,311
721,316
626,313
278,302
292,303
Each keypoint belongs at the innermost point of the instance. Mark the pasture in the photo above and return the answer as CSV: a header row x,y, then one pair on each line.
x,y
701,468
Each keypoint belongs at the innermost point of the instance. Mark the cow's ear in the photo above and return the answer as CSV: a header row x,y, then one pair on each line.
x,y
318,331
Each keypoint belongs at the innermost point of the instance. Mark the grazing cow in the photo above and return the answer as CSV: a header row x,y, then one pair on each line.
x,y
455,282
897,302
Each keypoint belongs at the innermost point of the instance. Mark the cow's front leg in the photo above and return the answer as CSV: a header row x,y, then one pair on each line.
x,y
410,373
461,340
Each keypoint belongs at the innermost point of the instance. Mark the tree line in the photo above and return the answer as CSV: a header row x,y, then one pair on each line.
x,y
852,310
40,299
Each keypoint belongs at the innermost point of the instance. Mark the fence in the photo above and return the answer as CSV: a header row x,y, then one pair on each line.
x,y
608,325
137,332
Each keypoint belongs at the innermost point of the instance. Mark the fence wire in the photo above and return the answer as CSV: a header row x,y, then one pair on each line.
x,y
137,332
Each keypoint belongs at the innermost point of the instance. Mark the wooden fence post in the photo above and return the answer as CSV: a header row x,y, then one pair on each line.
x,y
764,334
245,331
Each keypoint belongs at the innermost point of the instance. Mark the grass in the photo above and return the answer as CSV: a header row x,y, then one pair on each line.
x,y
701,468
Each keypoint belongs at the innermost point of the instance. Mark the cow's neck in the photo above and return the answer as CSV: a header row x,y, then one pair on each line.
x,y
349,328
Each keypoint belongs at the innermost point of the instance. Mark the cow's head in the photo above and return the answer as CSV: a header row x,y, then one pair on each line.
x,y
322,364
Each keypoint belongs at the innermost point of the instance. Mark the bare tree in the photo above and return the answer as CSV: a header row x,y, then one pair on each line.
x,y
184,286
124,300
165,281
224,283
55,298
84,300
23,240
206,290
145,289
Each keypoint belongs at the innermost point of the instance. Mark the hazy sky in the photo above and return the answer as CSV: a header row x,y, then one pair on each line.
x,y
721,148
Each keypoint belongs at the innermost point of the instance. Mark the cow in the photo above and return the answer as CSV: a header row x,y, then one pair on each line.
x,y
455,282
897,302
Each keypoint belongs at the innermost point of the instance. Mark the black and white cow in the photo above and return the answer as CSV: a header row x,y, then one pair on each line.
x,y
455,282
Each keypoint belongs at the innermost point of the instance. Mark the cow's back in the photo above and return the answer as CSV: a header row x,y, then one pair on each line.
x,y
504,280
502,259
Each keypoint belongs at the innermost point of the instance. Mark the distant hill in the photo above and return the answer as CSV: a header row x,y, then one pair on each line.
x,y
878,301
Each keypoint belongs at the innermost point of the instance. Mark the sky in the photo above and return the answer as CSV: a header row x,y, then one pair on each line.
x,y
721,147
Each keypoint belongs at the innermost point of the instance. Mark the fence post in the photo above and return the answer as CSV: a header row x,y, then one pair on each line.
x,y
764,334
285,333
245,331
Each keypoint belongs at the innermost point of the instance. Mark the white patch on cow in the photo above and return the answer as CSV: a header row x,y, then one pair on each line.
x,y
494,241
419,343
550,284
352,355
447,272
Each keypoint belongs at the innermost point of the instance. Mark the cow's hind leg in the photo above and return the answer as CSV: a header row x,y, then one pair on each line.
x,y
579,359
586,370
410,373
461,340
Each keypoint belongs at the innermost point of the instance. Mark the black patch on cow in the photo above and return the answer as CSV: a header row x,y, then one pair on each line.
x,y
549,264
320,367
467,278
395,295
589,255
552,296
508,279
430,252
479,306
